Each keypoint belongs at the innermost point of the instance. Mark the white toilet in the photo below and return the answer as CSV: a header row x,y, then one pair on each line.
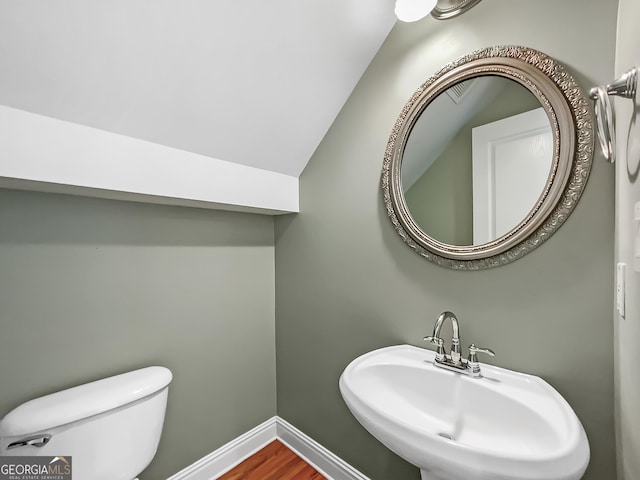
x,y
111,427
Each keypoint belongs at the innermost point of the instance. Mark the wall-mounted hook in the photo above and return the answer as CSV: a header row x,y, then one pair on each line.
x,y
624,87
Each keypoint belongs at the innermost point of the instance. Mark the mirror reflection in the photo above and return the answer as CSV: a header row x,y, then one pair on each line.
x,y
476,161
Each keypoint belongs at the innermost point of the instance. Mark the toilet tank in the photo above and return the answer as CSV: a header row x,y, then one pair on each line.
x,y
111,427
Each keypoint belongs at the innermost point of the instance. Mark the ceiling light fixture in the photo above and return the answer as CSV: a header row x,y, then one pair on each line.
x,y
414,10
452,8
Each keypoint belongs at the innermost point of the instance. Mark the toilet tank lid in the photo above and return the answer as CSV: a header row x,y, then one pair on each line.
x,y
84,401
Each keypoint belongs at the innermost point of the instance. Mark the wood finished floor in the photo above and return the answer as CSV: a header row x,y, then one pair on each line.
x,y
273,462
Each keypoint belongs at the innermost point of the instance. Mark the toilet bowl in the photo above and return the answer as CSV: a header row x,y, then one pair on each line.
x,y
110,428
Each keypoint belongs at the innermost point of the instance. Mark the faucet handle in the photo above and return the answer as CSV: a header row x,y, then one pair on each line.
x,y
473,350
439,343
472,364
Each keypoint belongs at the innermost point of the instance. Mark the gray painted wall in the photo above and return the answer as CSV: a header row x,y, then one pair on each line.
x,y
346,283
91,288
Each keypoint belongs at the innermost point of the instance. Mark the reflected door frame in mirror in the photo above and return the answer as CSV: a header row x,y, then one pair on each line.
x,y
569,113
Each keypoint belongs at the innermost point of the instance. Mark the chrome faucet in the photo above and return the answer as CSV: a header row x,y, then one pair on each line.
x,y
455,339
454,361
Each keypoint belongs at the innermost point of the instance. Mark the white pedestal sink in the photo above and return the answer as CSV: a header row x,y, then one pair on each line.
x,y
504,426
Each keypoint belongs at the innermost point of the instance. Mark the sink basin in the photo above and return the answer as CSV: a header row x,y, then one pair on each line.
x,y
503,426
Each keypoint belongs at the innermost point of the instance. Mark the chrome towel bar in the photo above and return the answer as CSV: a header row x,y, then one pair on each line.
x,y
624,87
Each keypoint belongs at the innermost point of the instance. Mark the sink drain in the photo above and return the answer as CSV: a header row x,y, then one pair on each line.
x,y
447,436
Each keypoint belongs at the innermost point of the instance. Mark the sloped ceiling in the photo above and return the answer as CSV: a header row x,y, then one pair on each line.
x,y
254,82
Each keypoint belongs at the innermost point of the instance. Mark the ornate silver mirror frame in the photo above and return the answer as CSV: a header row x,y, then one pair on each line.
x,y
569,113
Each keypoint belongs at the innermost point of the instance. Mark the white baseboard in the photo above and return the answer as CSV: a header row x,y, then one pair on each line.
x,y
228,456
323,460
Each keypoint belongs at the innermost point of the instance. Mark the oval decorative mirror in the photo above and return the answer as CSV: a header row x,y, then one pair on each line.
x,y
488,158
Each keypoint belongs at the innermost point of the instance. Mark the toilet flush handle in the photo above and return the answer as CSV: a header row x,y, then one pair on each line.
x,y
35,441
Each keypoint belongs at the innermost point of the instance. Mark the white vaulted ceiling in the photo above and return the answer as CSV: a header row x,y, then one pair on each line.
x,y
253,82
